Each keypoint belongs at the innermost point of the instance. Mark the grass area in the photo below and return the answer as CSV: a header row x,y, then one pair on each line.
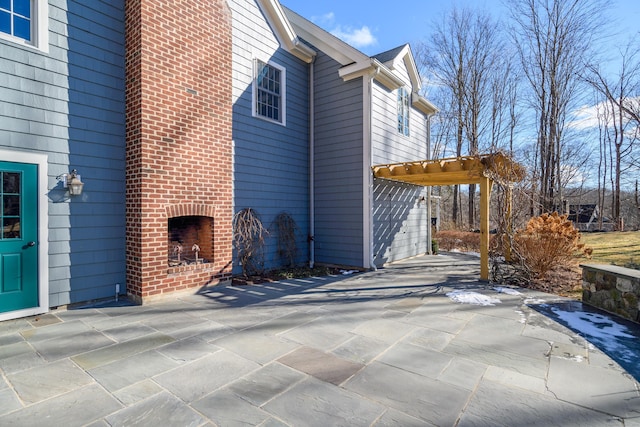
x,y
619,248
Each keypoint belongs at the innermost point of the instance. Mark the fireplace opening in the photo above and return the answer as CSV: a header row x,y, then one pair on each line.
x,y
190,240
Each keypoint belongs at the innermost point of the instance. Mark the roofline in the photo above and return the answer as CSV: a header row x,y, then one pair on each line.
x,y
326,42
371,67
284,31
421,103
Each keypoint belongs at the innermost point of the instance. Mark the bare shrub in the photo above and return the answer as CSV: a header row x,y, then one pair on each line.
x,y
287,246
248,240
464,241
548,241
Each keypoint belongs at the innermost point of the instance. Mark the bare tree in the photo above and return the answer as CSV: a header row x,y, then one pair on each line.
x,y
553,38
621,118
463,56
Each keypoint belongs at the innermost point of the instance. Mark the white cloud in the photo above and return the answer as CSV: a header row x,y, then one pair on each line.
x,y
356,37
586,117
324,20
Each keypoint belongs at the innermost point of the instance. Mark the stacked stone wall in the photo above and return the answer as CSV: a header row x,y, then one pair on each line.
x,y
612,288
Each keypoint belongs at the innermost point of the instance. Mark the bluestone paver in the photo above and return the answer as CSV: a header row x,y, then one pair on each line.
x,y
263,385
425,398
8,402
46,381
393,418
76,408
103,356
228,409
155,411
137,392
194,380
130,370
381,348
255,345
500,405
323,366
317,403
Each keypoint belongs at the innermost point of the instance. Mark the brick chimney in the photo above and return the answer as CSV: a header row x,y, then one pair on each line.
x,y
179,148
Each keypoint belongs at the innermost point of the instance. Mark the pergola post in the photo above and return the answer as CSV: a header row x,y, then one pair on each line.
x,y
460,170
485,196
508,223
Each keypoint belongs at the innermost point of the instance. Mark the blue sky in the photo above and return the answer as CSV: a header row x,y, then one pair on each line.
x,y
375,26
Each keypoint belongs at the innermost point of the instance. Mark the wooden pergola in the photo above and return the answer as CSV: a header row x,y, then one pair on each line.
x,y
481,169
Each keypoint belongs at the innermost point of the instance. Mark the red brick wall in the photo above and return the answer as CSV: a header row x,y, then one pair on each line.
x,y
178,92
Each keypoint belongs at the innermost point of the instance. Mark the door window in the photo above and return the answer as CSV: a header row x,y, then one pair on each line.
x,y
10,192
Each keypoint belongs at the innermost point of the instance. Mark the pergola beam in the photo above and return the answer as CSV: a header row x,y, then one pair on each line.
x,y
458,171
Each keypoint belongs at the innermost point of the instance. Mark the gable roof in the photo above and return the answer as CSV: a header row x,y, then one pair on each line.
x,y
402,54
392,59
389,55
283,30
289,27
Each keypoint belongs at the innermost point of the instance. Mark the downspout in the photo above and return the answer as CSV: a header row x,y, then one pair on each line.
x,y
429,214
312,216
368,156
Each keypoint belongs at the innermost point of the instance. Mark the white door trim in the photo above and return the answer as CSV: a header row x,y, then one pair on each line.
x,y
41,160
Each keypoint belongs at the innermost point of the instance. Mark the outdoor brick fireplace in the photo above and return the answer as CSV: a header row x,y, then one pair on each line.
x,y
179,149
190,241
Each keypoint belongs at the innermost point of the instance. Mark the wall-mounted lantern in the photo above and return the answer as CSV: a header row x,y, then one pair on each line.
x,y
72,182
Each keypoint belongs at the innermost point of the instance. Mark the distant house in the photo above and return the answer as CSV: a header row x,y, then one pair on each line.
x,y
586,217
190,118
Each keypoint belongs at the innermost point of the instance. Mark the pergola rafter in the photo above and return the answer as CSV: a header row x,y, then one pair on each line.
x,y
481,169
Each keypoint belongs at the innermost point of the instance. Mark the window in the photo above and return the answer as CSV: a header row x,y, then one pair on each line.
x,y
15,18
269,92
403,111
25,21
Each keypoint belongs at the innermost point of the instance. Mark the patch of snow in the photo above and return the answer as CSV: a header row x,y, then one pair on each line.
x,y
347,272
469,297
508,291
593,324
603,330
534,301
523,317
575,358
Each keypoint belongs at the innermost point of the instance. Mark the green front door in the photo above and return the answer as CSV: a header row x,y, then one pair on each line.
x,y
18,244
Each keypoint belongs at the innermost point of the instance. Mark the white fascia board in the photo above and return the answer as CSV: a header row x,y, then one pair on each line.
x,y
412,69
406,56
373,68
325,41
422,104
356,69
284,31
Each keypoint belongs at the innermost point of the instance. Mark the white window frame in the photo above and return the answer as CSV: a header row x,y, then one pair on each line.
x,y
404,111
39,28
283,92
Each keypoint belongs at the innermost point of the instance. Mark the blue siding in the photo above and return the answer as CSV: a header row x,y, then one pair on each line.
x,y
339,192
271,161
399,210
69,104
400,221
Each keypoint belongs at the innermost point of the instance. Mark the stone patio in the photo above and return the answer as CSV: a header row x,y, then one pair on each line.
x,y
383,348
